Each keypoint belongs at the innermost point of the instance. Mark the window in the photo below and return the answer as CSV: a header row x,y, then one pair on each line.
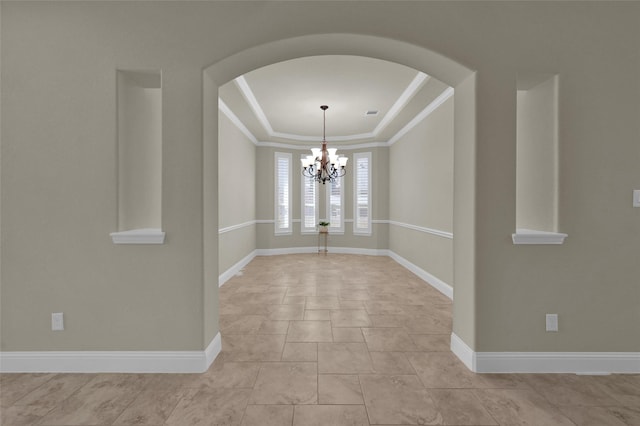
x,y
283,193
309,204
335,206
362,193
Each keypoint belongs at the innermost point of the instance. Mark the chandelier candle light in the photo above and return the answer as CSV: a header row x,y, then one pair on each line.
x,y
324,164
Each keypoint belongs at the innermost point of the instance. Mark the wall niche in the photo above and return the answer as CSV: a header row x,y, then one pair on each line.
x,y
139,118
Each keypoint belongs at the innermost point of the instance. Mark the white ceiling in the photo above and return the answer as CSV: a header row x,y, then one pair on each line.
x,y
281,102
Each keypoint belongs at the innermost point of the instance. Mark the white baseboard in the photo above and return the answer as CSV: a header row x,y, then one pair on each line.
x,y
546,362
463,352
314,249
226,275
434,281
111,361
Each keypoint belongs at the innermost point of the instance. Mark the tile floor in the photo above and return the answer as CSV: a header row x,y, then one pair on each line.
x,y
314,340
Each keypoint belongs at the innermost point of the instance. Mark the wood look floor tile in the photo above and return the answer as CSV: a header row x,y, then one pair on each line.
x,y
100,401
334,415
350,318
296,351
520,407
595,416
461,407
325,340
395,363
347,334
322,302
229,375
286,312
17,385
309,331
258,347
344,358
388,339
443,370
268,415
209,407
286,383
432,342
398,400
53,392
570,389
317,315
152,406
339,389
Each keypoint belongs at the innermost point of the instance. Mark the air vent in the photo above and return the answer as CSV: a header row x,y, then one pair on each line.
x,y
371,112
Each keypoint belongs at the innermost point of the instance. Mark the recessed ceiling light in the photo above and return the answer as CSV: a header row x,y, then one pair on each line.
x,y
371,112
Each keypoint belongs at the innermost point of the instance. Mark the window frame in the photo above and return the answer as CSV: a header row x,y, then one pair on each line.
x,y
276,213
369,229
303,186
332,228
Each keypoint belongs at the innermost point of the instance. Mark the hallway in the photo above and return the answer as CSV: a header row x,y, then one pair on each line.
x,y
335,340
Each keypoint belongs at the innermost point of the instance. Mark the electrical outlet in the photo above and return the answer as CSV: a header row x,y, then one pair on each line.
x,y
636,198
57,321
552,322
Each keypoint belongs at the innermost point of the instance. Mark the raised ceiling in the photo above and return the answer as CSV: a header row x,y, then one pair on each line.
x,y
281,102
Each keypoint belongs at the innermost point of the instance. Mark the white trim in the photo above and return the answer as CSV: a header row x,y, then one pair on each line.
x,y
546,362
264,221
314,249
235,227
212,351
111,361
446,94
558,362
226,275
432,280
289,157
246,91
138,236
463,352
308,146
236,121
369,229
530,236
418,81
437,232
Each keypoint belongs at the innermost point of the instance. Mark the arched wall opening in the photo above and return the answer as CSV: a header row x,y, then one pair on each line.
x,y
444,69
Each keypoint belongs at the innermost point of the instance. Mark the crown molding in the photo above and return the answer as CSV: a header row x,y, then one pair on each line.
x,y
236,121
446,94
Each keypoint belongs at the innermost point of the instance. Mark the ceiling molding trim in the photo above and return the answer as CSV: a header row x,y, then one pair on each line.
x,y
446,94
318,138
236,121
418,81
246,91
309,146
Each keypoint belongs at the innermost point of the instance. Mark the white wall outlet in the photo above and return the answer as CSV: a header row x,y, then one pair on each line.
x,y
552,322
57,321
636,198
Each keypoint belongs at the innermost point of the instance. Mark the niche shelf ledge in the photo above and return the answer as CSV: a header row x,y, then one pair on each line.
x,y
530,236
139,236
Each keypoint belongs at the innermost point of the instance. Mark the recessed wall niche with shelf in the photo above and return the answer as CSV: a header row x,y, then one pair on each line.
x,y
139,118
537,160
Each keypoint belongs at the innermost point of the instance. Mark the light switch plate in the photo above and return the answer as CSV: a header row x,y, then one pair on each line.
x,y
552,322
636,198
57,321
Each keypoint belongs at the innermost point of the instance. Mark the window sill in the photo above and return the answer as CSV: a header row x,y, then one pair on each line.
x,y
529,236
139,236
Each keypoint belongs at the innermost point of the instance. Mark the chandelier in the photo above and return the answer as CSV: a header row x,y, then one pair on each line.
x,y
324,164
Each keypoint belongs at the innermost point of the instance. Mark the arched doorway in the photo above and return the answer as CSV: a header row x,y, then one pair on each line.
x,y
419,58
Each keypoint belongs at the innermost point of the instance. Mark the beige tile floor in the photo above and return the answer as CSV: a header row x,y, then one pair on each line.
x,y
325,340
